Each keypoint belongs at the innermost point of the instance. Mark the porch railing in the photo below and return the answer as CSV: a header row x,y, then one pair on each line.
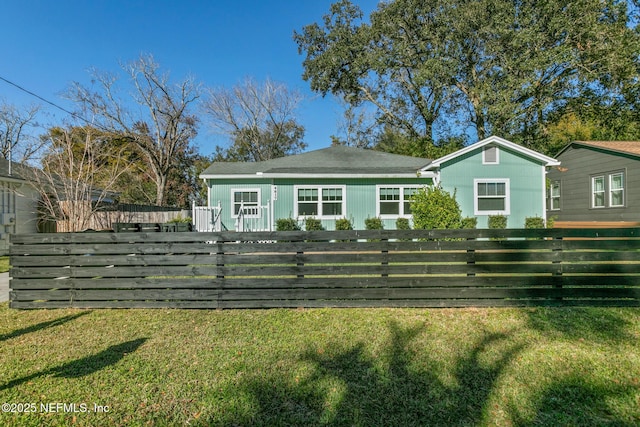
x,y
207,218
253,218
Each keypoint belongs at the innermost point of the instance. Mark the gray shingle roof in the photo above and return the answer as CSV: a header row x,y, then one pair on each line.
x,y
330,161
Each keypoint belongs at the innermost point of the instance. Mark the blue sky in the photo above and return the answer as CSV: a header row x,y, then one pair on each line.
x,y
48,44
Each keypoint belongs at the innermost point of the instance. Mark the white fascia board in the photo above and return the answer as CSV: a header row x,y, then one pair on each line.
x,y
417,174
548,161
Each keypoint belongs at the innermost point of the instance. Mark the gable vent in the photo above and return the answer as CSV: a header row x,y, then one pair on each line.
x,y
490,155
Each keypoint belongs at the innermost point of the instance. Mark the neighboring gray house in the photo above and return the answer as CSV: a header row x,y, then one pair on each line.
x,y
598,181
18,204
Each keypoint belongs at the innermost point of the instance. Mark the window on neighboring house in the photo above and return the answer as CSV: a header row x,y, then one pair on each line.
x,y
247,200
608,190
554,196
395,201
490,155
597,192
616,189
320,201
491,197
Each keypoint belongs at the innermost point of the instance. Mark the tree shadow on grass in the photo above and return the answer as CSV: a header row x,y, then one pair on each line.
x,y
574,401
42,325
85,366
599,324
348,387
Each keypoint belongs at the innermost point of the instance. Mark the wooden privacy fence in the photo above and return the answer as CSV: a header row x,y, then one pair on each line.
x,y
416,268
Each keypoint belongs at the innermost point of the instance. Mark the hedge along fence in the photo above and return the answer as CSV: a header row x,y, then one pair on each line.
x,y
373,268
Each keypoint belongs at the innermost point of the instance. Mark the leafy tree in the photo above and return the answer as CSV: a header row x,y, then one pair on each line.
x,y
435,208
496,66
162,133
258,119
392,141
184,184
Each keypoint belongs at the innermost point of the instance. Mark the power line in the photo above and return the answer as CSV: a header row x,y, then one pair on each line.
x,y
77,116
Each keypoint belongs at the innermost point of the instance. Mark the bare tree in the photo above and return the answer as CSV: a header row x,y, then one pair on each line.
x,y
161,130
78,175
258,118
16,142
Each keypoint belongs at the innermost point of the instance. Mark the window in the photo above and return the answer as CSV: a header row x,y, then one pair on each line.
x,y
308,202
597,192
554,196
320,201
331,201
616,189
490,155
491,197
608,190
247,200
395,201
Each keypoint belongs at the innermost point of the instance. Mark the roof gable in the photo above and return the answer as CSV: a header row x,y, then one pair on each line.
x,y
615,147
334,160
497,141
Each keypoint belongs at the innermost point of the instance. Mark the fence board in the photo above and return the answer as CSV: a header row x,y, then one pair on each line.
x,y
418,268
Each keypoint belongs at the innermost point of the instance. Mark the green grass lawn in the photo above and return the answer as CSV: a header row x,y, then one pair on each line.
x,y
362,367
4,264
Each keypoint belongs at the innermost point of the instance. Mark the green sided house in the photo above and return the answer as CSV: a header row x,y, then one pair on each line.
x,y
493,176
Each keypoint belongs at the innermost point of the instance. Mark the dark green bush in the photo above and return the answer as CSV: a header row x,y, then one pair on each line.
x,y
373,224
344,224
180,220
551,221
469,222
313,224
287,224
534,222
403,224
497,221
435,208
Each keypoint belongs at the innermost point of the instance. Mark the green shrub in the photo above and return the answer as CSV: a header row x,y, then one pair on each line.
x,y
344,224
403,224
551,221
435,208
313,224
180,220
287,224
534,222
374,224
497,221
469,222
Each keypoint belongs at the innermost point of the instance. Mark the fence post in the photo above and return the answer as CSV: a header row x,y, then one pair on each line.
x,y
299,263
385,256
219,273
471,258
558,244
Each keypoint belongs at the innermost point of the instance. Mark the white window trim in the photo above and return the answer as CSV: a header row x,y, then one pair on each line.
x,y
402,213
611,190
551,196
507,196
320,188
484,151
246,190
593,192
